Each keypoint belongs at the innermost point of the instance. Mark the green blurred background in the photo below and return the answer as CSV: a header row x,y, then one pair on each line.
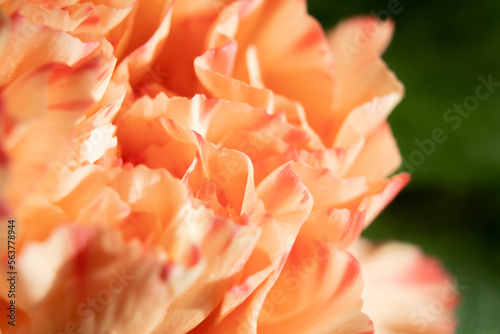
x,y
451,207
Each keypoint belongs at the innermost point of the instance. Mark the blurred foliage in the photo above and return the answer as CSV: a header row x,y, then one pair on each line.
x,y
451,207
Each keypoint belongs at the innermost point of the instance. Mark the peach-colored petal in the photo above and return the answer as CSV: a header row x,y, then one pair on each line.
x,y
178,141
67,19
379,156
25,49
231,172
146,190
33,155
244,318
318,291
208,70
61,92
148,19
406,291
290,39
289,203
226,247
329,191
227,153
91,279
106,209
137,64
285,197
104,17
361,75
359,39
4,28
35,210
195,22
296,116
363,120
94,136
337,227
77,188
381,194
147,135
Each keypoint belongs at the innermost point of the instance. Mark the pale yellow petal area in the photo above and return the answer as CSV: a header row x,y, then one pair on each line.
x,y
405,290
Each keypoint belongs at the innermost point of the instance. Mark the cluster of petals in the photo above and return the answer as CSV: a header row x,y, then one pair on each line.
x,y
202,166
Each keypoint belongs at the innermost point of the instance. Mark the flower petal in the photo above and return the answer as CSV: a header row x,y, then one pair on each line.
x,y
208,70
361,75
318,291
26,49
379,156
327,190
91,279
405,291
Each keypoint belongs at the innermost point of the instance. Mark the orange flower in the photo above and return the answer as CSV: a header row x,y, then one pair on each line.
x,y
191,167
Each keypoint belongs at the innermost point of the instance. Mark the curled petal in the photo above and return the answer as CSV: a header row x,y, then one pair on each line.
x,y
25,49
213,74
381,194
329,191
